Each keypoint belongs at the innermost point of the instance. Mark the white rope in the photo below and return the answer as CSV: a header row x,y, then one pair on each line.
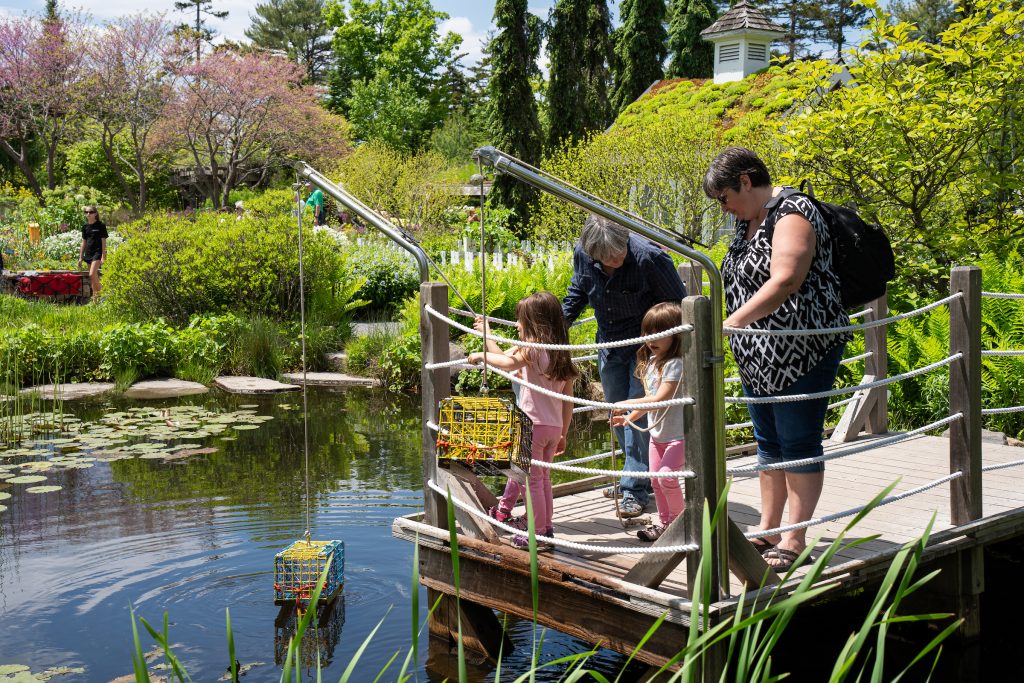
x,y
852,511
1001,411
847,328
861,314
787,398
871,445
837,404
510,323
562,347
1002,295
993,352
584,359
685,401
639,474
845,361
559,543
1002,465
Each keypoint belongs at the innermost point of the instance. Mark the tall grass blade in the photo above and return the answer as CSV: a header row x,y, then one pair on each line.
x,y
347,674
454,542
232,660
138,655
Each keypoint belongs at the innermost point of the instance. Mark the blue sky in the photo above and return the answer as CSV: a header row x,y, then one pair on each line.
x,y
470,19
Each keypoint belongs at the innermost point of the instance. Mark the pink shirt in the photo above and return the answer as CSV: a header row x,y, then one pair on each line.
x,y
542,409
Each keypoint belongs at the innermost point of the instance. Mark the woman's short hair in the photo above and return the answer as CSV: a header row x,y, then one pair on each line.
x,y
602,238
726,168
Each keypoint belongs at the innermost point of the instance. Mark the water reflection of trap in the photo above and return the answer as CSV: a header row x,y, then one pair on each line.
x,y
320,639
297,569
484,433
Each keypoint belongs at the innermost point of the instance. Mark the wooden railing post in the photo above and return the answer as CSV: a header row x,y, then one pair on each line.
x,y
436,385
877,365
965,394
692,275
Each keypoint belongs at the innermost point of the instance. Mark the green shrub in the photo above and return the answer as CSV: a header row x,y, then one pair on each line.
x,y
257,351
175,268
148,348
391,274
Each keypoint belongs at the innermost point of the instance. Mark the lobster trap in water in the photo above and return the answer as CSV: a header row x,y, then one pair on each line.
x,y
484,433
297,570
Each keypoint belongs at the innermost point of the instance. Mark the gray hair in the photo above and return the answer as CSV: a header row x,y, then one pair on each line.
x,y
602,238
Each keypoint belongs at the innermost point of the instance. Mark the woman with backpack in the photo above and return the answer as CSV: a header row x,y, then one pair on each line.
x,y
778,275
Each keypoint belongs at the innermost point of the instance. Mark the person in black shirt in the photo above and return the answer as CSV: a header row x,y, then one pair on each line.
x,y
94,246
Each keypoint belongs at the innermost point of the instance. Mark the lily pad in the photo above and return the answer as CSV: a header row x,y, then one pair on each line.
x,y
4,495
27,479
246,426
8,669
43,489
3,508
47,674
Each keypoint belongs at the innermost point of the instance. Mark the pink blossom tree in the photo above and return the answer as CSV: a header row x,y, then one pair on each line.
x,y
41,89
131,67
241,116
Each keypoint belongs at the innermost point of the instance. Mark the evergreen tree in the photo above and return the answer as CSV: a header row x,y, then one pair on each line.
x,y
51,13
640,49
198,31
836,17
297,28
800,18
515,125
692,56
579,48
931,17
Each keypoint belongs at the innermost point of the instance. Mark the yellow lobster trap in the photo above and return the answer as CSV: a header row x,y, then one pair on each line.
x,y
484,433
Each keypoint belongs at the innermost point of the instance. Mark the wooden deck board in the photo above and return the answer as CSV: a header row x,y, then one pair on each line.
x,y
588,517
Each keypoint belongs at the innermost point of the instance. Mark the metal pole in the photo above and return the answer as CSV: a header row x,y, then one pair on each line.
x,y
505,163
368,215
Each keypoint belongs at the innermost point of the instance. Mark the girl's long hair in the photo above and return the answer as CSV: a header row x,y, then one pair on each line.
x,y
659,318
541,317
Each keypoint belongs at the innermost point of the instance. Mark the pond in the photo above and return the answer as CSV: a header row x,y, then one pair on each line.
x,y
170,528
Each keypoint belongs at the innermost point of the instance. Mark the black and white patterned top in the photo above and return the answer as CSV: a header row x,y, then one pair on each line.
x,y
769,364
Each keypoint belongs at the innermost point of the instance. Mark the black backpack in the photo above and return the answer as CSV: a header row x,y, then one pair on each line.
x,y
862,256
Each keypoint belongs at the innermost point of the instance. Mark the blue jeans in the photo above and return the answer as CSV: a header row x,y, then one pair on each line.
x,y
793,431
619,381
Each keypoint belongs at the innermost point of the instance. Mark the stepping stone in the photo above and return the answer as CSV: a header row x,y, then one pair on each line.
x,y
164,388
330,379
70,392
252,385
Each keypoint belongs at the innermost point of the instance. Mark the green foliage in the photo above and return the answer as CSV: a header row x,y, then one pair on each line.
x,y
176,268
928,141
258,349
692,56
387,109
640,49
298,28
456,137
390,274
87,165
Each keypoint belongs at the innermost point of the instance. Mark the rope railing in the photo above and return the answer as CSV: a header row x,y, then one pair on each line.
x,y
1008,352
861,314
852,511
1002,465
654,405
845,361
1002,295
837,404
834,455
640,474
561,543
561,347
1002,411
509,323
787,398
847,328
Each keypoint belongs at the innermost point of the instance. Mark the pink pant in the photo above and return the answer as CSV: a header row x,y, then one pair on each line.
x,y
545,439
667,457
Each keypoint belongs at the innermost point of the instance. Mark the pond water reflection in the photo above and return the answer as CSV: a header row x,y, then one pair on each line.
x,y
197,535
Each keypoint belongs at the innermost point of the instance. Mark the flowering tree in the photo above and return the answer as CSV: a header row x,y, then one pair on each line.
x,y
240,116
41,89
131,71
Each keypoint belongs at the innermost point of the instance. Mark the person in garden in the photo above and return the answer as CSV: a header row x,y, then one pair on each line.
x,y
659,365
93,249
538,319
621,276
316,201
778,275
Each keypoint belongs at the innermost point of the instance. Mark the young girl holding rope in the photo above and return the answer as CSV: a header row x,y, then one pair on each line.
x,y
660,367
538,319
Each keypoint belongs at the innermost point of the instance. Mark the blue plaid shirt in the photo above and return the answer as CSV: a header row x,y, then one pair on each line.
x,y
647,277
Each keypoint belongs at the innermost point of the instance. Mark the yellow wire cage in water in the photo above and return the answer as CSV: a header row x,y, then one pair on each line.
x,y
483,433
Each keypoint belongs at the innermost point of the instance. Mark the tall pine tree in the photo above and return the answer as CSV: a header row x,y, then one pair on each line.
x,y
579,48
692,56
838,16
515,125
800,18
296,27
640,49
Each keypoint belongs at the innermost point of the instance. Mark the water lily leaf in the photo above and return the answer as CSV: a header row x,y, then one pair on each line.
x,y
4,495
27,479
79,466
8,669
3,508
246,426
43,489
229,438
153,456
249,405
47,674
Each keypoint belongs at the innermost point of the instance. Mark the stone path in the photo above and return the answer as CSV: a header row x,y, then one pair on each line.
x,y
252,385
164,388
71,391
330,379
